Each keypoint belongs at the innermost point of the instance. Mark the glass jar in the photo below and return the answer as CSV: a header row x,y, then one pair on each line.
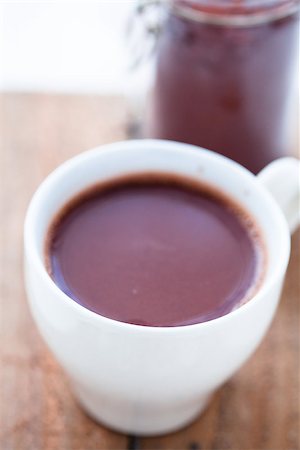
x,y
226,77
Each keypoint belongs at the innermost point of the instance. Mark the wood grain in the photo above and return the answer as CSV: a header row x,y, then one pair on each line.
x,y
258,409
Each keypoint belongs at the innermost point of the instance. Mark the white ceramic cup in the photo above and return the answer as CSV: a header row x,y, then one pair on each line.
x,y
147,380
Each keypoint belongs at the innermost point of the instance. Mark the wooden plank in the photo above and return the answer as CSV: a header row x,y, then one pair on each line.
x,y
258,409
37,133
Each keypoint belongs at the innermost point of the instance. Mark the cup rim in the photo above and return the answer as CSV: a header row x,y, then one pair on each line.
x,y
34,258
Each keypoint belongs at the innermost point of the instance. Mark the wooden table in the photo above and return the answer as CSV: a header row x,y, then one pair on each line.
x,y
257,409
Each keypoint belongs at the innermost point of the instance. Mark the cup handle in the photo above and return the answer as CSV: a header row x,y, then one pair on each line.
x,y
282,179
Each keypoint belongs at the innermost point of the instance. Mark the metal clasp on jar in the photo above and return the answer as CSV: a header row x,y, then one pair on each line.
x,y
143,29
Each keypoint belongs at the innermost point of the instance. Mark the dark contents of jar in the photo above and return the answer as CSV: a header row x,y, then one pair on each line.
x,y
225,87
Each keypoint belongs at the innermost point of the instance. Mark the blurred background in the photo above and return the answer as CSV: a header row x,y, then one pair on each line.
x,y
65,46
66,85
105,48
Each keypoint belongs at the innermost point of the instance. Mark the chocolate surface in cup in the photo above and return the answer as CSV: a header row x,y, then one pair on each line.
x,y
155,250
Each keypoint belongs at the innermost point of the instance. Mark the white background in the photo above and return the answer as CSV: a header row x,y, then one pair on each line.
x,y
64,46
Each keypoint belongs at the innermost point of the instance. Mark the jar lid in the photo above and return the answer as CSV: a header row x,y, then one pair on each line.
x,y
233,12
